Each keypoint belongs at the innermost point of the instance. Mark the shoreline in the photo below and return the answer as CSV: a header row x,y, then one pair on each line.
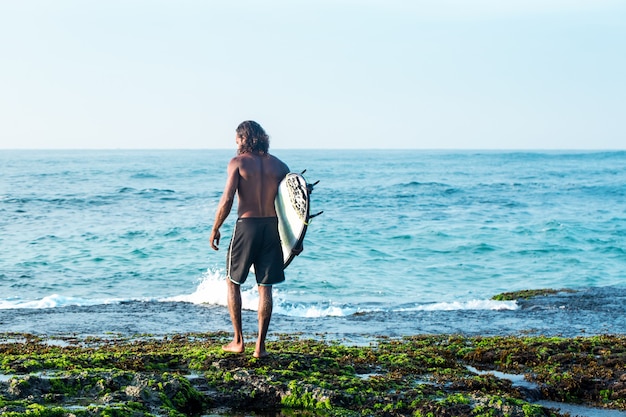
x,y
189,374
567,313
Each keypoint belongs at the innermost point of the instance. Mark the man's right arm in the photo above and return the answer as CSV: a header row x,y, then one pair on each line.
x,y
226,202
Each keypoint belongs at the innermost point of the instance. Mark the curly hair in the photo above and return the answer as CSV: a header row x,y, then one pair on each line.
x,y
253,138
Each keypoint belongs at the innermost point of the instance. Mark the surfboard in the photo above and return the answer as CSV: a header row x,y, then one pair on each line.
x,y
292,205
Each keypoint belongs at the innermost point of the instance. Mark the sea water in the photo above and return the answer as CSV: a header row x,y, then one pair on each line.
x,y
409,241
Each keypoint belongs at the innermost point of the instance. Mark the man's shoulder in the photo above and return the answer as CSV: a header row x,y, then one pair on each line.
x,y
238,159
245,159
278,161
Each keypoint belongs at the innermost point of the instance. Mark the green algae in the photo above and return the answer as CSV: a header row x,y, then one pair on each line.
x,y
527,294
421,375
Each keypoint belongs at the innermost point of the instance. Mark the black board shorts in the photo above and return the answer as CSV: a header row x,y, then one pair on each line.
x,y
255,242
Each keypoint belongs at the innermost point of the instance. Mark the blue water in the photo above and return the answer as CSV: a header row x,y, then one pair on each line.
x,y
410,241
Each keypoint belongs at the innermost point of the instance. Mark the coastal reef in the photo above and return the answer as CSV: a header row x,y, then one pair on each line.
x,y
426,375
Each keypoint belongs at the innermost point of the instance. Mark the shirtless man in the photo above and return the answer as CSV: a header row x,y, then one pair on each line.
x,y
254,176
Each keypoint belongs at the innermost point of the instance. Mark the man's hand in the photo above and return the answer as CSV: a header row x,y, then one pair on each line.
x,y
298,249
215,239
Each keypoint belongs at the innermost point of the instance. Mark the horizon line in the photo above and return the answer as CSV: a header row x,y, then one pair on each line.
x,y
334,149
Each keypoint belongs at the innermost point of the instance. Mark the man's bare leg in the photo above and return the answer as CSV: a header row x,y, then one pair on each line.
x,y
265,314
234,308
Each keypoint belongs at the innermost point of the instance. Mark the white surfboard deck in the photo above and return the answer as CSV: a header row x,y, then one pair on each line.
x,y
292,208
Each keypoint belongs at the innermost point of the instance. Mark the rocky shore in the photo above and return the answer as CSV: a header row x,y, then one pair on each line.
x,y
189,374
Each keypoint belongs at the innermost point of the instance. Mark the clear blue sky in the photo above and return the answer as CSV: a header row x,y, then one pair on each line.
x,y
443,74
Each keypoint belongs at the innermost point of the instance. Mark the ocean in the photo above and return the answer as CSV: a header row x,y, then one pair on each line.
x,y
410,242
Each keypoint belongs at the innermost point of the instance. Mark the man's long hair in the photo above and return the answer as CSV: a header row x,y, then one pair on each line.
x,y
253,138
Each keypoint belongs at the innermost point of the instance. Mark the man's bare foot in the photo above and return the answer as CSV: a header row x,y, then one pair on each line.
x,y
234,347
262,354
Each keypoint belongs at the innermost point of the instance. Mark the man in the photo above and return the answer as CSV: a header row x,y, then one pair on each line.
x,y
254,175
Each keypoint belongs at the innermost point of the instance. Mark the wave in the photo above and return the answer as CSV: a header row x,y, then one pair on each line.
x,y
492,305
85,199
145,191
211,290
52,301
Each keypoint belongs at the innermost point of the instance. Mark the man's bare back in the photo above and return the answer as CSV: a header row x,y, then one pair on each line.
x,y
259,176
254,177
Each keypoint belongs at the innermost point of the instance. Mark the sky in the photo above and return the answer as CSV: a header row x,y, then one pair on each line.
x,y
323,74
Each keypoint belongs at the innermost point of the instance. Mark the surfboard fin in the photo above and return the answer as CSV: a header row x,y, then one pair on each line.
x,y
309,187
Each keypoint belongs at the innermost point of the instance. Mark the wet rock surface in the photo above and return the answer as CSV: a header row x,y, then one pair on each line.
x,y
444,375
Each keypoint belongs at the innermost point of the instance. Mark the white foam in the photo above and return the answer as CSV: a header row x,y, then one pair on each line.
x,y
211,289
311,311
466,305
51,301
